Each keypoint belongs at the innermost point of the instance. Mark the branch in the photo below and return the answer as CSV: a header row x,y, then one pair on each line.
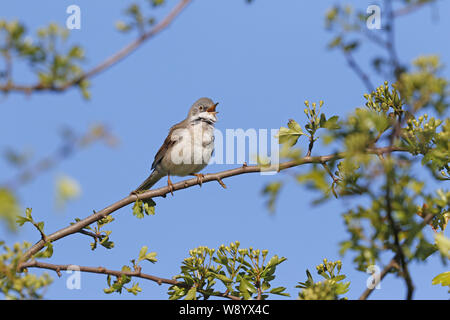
x,y
394,261
359,71
162,192
112,60
395,229
400,255
101,270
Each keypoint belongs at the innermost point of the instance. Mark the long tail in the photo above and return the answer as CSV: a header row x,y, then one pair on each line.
x,y
153,178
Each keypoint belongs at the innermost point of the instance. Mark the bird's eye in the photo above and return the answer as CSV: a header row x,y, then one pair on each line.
x,y
201,108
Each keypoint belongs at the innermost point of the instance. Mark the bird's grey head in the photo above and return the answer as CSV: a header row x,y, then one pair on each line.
x,y
203,109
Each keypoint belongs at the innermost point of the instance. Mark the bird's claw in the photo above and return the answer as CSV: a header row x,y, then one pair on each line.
x,y
170,185
200,177
135,193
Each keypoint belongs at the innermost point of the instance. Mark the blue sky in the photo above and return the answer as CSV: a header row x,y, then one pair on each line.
x,y
260,61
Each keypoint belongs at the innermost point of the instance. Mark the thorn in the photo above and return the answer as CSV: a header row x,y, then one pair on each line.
x,y
221,182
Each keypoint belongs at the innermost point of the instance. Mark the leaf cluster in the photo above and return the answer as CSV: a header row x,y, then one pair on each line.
x,y
245,273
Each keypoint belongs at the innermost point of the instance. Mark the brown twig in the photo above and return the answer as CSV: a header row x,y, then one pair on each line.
x,y
359,71
394,263
92,234
327,169
310,145
112,60
396,231
162,192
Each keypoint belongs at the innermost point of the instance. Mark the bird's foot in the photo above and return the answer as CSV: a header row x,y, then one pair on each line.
x,y
170,185
136,193
200,177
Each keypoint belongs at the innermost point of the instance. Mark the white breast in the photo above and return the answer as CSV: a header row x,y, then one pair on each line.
x,y
193,151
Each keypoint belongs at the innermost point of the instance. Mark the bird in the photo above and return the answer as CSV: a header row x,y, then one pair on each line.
x,y
187,148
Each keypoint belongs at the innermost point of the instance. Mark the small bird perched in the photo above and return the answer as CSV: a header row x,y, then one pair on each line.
x,y
188,147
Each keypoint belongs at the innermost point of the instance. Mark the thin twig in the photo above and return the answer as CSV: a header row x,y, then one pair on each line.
x,y
390,174
396,231
327,169
394,263
359,71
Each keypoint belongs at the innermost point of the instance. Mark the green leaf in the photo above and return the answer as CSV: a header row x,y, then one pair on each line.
x,y
342,288
134,289
351,46
137,209
142,207
245,287
337,41
9,209
339,278
40,226
28,214
191,294
122,26
265,286
272,190
273,262
443,244
443,279
143,255
47,253
149,207
291,134
279,291
294,126
106,243
222,278
331,123
21,220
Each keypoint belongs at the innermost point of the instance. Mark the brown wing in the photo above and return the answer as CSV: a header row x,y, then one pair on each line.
x,y
167,144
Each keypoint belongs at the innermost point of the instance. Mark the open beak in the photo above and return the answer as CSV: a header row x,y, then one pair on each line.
x,y
212,109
